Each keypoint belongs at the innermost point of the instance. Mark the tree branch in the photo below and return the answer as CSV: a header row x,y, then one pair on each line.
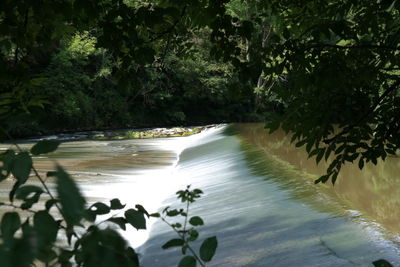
x,y
367,114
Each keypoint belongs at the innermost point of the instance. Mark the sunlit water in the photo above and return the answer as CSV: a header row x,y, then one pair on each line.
x,y
260,200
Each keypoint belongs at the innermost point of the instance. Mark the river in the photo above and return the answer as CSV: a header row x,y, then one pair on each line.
x,y
259,197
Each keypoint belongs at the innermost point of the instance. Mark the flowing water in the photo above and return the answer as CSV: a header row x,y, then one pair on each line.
x,y
260,200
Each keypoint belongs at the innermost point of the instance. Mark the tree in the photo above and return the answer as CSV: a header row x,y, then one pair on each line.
x,y
134,33
335,66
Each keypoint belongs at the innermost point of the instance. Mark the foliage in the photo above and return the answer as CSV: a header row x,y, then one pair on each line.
x,y
187,233
80,86
382,263
66,231
82,54
334,67
353,117
116,65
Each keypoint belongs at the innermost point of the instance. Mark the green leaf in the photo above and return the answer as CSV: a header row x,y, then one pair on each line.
x,y
361,163
46,227
25,191
172,213
321,153
64,257
133,256
176,225
100,208
13,190
313,153
301,143
116,204
208,248
196,221
273,125
142,210
7,158
328,152
334,177
21,167
120,221
193,235
135,218
46,254
90,215
340,149
155,215
382,263
10,223
72,202
197,191
45,146
176,242
187,261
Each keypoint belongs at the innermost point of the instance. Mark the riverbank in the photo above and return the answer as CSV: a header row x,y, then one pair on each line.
x,y
121,134
149,133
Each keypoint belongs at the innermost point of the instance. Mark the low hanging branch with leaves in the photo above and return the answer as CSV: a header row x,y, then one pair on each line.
x,y
40,235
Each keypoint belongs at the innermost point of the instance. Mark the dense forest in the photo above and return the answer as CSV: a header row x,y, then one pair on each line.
x,y
327,71
172,80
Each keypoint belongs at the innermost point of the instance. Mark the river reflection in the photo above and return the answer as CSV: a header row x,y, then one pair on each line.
x,y
374,191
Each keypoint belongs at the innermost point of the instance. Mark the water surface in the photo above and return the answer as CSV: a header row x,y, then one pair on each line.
x,y
265,209
260,200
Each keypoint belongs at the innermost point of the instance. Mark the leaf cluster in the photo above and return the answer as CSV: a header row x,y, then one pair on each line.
x,y
66,231
187,232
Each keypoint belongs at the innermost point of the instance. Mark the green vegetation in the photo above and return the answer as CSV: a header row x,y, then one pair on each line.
x,y
187,232
334,65
152,133
53,234
328,71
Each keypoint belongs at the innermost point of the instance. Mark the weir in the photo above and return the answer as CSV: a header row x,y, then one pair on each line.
x,y
259,197
261,215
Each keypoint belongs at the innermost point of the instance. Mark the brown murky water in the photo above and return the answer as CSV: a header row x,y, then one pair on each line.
x,y
374,191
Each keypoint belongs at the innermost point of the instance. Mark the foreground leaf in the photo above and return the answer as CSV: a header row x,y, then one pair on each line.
x,y
21,167
7,159
10,223
382,263
196,221
46,227
136,219
208,248
100,208
187,261
71,200
45,146
116,204
173,243
25,191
